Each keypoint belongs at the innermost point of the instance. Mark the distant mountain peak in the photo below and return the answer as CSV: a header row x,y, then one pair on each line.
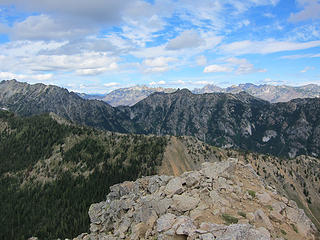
x,y
183,91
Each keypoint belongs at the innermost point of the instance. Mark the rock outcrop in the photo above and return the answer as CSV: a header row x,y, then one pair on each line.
x,y
223,200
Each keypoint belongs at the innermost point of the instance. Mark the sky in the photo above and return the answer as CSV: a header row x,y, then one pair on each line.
x,y
97,46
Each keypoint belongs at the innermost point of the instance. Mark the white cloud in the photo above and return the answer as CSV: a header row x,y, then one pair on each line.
x,y
269,15
243,66
23,56
38,77
297,56
83,11
81,46
265,47
43,27
202,82
180,82
157,83
311,10
159,64
96,71
187,39
142,30
306,32
111,84
236,65
306,69
272,81
76,62
201,60
243,23
216,68
4,28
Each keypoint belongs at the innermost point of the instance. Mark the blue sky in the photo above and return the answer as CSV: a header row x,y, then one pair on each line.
x,y
96,46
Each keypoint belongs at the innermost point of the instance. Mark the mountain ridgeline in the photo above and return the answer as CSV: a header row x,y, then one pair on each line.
x,y
51,171
221,119
272,93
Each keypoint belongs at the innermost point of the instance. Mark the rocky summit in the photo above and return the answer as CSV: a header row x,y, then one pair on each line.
x,y
223,200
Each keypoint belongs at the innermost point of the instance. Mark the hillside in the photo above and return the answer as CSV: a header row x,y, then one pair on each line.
x,y
221,119
223,200
52,170
50,173
233,120
27,100
297,178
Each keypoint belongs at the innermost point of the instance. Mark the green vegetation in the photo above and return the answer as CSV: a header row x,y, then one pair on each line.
x,y
294,228
59,208
283,232
28,139
242,214
252,193
269,207
229,219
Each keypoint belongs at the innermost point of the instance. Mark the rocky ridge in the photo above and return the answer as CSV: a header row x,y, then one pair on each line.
x,y
271,93
280,93
132,95
240,121
223,200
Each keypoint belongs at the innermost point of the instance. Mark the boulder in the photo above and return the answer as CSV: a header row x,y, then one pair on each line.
x,y
184,202
243,232
192,178
138,231
264,198
262,218
174,186
165,222
184,226
214,170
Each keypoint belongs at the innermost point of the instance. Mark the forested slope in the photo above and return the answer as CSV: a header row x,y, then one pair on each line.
x,y
50,173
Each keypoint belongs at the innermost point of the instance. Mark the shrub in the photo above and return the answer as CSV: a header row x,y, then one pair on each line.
x,y
269,207
294,228
242,214
252,193
229,219
283,232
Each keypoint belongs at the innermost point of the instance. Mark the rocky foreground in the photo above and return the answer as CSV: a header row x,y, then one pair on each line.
x,y
223,200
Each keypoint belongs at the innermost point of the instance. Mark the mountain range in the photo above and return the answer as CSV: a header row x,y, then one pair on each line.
x,y
271,93
227,120
281,93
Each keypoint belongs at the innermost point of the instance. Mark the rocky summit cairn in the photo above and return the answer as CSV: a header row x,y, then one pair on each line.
x,y
223,200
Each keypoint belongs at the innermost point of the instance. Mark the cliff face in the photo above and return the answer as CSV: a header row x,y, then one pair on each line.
x,y
223,200
226,120
233,120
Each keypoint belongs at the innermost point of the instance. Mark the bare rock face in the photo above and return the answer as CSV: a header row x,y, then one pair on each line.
x,y
223,200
